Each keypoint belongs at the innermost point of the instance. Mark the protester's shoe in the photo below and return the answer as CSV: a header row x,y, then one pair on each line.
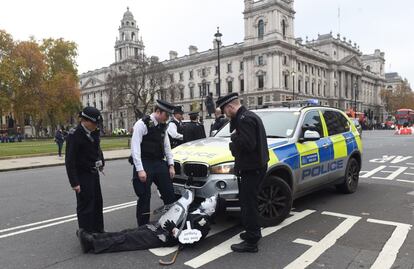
x,y
85,240
244,247
243,236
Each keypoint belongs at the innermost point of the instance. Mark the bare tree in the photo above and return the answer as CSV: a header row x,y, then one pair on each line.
x,y
136,84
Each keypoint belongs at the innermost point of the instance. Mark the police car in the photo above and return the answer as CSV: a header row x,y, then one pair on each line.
x,y
310,147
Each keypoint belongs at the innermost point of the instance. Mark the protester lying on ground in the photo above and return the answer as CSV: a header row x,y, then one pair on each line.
x,y
172,228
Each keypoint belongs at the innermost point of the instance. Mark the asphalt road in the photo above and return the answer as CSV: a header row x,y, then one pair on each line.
x,y
368,229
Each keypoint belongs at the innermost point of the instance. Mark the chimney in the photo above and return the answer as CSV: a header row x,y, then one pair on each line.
x,y
173,55
193,49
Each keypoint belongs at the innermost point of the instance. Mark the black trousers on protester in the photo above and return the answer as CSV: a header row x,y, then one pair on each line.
x,y
141,238
60,146
89,203
248,190
157,172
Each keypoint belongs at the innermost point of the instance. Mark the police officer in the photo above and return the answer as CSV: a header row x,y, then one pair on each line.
x,y
84,160
194,130
175,127
249,147
149,145
219,121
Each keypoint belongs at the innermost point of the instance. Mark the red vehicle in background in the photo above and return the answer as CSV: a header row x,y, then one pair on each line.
x,y
404,116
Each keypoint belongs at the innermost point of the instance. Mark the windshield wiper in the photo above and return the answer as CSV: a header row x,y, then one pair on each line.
x,y
275,136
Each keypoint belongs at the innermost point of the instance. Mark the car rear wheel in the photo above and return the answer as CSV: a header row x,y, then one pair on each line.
x,y
275,201
350,183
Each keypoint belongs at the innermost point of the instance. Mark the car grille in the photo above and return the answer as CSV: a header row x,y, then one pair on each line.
x,y
195,170
177,168
194,183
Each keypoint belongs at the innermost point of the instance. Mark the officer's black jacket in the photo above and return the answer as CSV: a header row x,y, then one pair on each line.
x,y
193,131
218,123
249,142
81,153
176,142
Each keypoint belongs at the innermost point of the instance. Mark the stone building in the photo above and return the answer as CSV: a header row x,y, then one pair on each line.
x,y
271,64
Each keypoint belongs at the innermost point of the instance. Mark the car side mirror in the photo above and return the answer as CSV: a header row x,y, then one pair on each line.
x,y
311,136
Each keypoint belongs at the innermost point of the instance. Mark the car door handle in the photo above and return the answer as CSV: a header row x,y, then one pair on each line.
x,y
348,138
325,145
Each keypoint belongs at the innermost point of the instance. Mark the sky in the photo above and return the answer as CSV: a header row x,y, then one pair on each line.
x,y
176,24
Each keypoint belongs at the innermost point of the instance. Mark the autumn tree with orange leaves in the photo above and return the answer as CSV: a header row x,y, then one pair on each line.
x,y
38,81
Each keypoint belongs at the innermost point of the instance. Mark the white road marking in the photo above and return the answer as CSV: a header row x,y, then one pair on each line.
x,y
404,180
393,174
384,159
214,230
389,252
373,171
310,243
224,248
410,174
106,210
55,219
328,241
399,159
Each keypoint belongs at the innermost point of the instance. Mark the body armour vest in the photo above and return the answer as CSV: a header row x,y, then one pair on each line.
x,y
152,145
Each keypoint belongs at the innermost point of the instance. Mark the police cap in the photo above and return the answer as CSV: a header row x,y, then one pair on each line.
x,y
165,106
178,110
224,100
91,114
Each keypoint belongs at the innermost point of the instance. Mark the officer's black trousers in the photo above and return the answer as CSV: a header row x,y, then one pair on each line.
x,y
157,172
89,203
249,187
140,238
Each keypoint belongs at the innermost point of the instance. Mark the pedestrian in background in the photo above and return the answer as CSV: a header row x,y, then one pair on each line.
x,y
249,147
220,121
84,160
59,139
149,146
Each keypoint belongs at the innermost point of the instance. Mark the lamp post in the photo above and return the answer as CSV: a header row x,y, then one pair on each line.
x,y
293,84
355,95
218,36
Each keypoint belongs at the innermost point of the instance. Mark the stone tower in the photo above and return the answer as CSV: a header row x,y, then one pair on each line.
x,y
128,45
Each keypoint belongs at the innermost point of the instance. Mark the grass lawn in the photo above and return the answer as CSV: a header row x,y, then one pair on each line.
x,y
47,147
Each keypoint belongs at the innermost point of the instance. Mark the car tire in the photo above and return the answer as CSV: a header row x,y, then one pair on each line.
x,y
275,201
350,183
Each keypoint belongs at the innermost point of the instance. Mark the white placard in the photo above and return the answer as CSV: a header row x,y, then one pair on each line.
x,y
189,236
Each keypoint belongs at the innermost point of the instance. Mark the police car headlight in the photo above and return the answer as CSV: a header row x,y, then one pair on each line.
x,y
224,168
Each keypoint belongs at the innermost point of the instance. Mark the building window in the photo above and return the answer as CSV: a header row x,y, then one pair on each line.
x,y
191,92
306,68
172,78
230,86
229,68
319,72
94,104
203,72
286,77
133,36
260,60
319,89
313,70
324,73
313,88
241,66
324,90
120,54
241,85
260,79
284,28
299,67
335,74
260,100
299,85
181,76
260,29
136,52
217,88
191,74
284,59
181,94
101,103
306,86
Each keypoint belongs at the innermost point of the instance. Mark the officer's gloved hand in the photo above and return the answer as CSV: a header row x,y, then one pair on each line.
x,y
233,136
169,226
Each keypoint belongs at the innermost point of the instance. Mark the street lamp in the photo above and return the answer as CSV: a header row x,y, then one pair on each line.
x,y
355,95
293,84
218,36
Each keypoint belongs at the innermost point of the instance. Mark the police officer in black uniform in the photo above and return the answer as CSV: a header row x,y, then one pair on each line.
x,y
249,147
193,130
175,127
220,121
84,160
149,146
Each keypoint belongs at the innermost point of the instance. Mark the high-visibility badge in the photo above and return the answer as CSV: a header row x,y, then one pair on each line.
x,y
189,236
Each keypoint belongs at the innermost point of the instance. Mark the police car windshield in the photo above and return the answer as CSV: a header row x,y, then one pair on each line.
x,y
278,124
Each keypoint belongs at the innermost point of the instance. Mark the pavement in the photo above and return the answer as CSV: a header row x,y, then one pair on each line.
x,y
46,161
